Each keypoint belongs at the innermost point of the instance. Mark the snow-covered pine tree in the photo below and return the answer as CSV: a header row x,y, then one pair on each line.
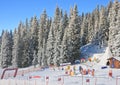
x,y
33,37
48,60
96,24
58,38
117,43
34,33
35,59
0,46
16,49
108,8
25,47
90,27
64,54
64,24
53,35
6,51
84,31
73,34
96,18
10,47
27,38
17,53
42,37
1,39
101,37
113,29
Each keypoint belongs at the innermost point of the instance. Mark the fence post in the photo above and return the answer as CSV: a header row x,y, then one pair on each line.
x,y
35,81
116,81
88,81
47,80
96,81
82,79
9,82
110,73
63,81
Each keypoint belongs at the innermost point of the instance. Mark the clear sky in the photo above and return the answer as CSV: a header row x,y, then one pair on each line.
x,y
14,11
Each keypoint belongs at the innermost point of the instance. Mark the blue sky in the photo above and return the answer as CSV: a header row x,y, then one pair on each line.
x,y
14,11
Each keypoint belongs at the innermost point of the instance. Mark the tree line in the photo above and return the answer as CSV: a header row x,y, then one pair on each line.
x,y
51,41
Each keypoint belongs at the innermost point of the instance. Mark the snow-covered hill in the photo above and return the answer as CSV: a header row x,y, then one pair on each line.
x,y
90,49
58,76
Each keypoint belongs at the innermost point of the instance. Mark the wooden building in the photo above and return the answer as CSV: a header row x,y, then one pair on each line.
x,y
82,60
114,62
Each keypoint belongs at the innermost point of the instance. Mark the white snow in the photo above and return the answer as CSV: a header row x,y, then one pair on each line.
x,y
90,50
57,76
106,56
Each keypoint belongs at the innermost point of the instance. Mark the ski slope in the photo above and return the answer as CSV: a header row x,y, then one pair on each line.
x,y
39,77
58,76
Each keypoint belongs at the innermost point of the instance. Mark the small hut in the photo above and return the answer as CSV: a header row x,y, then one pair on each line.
x,y
114,62
82,60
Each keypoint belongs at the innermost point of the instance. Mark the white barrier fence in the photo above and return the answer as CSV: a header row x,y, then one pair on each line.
x,y
118,80
63,80
57,80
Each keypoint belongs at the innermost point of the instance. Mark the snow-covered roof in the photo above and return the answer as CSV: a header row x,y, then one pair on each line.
x,y
117,58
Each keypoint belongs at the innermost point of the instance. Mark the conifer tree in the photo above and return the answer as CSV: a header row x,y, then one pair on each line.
x,y
90,27
74,36
42,37
16,49
113,30
33,37
6,51
35,60
64,53
25,50
101,36
84,31
49,49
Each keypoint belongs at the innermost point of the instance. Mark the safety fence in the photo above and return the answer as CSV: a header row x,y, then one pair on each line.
x,y
20,72
68,79
118,80
63,80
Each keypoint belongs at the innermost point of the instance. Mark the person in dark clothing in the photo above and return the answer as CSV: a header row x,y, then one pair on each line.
x,y
108,63
80,69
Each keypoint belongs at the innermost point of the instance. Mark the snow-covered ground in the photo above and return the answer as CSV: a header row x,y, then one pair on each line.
x,y
90,50
58,76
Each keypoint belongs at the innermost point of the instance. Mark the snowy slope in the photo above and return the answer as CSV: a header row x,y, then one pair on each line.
x,y
90,49
57,76
101,78
94,51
